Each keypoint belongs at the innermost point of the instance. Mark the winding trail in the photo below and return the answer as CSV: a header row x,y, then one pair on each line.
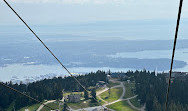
x,y
41,106
101,91
139,109
97,108
50,101
122,99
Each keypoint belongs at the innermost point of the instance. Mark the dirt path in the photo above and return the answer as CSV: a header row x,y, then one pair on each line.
x,y
101,91
106,103
127,99
123,94
120,100
136,108
106,89
41,106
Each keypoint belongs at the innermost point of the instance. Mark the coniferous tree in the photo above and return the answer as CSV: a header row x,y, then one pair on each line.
x,y
109,91
86,94
65,106
156,105
47,89
93,94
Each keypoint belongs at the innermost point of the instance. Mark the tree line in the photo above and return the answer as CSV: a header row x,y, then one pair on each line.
x,y
151,90
47,89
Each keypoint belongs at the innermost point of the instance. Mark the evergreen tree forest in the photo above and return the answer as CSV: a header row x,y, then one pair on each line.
x,y
47,89
151,90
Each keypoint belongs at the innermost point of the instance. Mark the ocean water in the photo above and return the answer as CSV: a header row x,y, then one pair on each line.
x,y
34,72
17,72
90,47
180,54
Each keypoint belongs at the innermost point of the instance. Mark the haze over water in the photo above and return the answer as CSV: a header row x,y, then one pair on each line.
x,y
88,36
90,47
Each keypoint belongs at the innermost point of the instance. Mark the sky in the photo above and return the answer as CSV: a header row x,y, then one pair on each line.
x,y
84,11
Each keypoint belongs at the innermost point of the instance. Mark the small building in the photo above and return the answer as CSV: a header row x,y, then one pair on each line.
x,y
128,81
108,76
100,84
74,98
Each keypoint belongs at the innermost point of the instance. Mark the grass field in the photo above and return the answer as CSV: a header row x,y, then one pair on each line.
x,y
31,108
100,101
111,84
83,104
115,94
99,89
129,93
121,106
129,90
135,102
53,105
79,105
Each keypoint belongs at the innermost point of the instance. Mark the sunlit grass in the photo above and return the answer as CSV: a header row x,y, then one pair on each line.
x,y
31,108
52,105
115,94
121,106
111,84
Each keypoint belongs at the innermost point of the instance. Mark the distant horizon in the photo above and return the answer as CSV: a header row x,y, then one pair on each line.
x,y
95,33
154,21
120,30
79,11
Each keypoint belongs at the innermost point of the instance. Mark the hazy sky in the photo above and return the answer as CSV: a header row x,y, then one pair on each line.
x,y
83,11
